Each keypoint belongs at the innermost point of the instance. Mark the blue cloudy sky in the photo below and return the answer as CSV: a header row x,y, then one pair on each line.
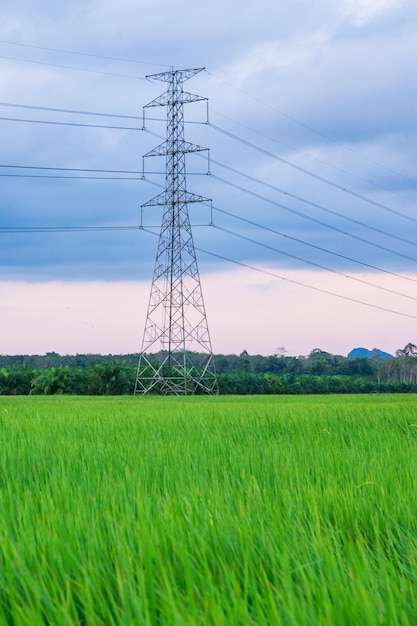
x,y
313,171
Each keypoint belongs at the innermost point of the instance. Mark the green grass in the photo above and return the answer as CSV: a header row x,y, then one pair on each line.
x,y
212,511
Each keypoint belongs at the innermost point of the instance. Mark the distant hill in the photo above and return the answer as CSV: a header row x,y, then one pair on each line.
x,y
364,353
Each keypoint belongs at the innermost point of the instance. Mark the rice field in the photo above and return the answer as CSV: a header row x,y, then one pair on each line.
x,y
208,510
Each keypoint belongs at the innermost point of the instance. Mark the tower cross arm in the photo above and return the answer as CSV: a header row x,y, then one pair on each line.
x,y
163,198
159,200
175,75
167,99
166,147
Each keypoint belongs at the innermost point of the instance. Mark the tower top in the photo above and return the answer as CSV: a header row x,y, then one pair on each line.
x,y
179,75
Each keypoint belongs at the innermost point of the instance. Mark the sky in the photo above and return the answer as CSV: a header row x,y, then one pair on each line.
x,y
311,241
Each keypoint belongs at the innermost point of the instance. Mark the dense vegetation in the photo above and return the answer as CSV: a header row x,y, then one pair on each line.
x,y
211,511
319,372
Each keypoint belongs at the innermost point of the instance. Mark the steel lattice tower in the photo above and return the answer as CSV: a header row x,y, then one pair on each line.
x,y
176,355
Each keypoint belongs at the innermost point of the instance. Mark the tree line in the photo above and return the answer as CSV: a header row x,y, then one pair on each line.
x,y
318,373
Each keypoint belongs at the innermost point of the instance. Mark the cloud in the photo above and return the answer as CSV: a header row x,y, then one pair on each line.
x,y
315,102
362,11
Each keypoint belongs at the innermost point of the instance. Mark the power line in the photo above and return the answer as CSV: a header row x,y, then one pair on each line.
x,y
299,168
67,229
313,204
310,128
135,117
72,111
84,54
69,67
313,219
300,284
75,229
229,168
57,123
312,245
218,163
63,176
248,177
312,263
224,166
298,213
321,161
15,105
81,124
71,229
214,208
138,176
70,169
64,229
125,60
312,174
296,282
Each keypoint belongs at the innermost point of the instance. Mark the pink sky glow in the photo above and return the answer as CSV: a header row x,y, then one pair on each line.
x,y
245,310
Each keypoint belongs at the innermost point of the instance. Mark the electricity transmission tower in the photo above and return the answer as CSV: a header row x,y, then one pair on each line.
x,y
176,355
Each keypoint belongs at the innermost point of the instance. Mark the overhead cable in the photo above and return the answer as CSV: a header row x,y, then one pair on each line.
x,y
157,119
313,204
312,245
69,67
312,263
296,282
312,174
343,170
57,123
310,128
313,219
84,54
